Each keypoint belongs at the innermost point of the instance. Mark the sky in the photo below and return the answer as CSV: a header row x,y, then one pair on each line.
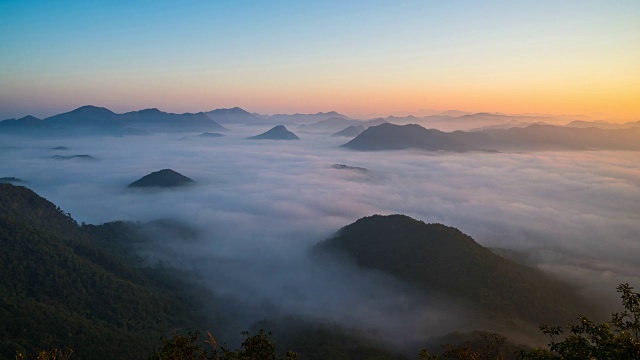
x,y
361,58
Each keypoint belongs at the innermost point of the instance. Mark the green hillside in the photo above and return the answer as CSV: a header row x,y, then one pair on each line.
x,y
58,289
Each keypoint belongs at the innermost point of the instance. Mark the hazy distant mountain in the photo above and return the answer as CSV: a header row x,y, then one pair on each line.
x,y
351,131
347,167
393,137
28,125
508,125
441,258
234,115
278,132
549,137
467,122
27,121
92,120
157,120
374,122
453,113
530,138
304,118
478,120
70,157
428,112
60,148
85,116
602,124
211,135
162,178
330,124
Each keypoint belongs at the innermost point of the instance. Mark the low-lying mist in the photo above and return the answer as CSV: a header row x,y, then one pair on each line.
x,y
259,206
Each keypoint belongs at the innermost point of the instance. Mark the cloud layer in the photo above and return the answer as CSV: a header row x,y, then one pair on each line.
x,y
260,205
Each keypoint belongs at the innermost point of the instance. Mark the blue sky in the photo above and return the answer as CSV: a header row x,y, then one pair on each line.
x,y
359,57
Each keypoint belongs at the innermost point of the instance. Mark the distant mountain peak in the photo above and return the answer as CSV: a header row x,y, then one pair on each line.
x,y
234,110
29,118
162,178
150,111
92,109
485,114
351,131
278,132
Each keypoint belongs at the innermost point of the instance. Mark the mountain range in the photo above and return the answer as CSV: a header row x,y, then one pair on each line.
x,y
301,118
98,120
530,138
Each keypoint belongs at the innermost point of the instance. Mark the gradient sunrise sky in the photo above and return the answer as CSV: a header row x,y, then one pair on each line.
x,y
361,58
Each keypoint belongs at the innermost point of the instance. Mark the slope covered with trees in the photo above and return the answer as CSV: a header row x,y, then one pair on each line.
x,y
441,258
58,289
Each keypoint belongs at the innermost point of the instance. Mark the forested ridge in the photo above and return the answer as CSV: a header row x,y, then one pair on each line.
x,y
58,289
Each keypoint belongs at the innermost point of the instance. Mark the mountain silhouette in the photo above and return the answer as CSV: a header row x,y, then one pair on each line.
x,y
394,137
330,124
534,137
210,135
602,124
304,118
101,121
162,178
551,137
351,131
234,115
27,121
71,157
155,119
278,132
87,115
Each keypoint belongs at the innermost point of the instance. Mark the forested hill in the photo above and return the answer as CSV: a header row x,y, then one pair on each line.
x,y
442,258
58,289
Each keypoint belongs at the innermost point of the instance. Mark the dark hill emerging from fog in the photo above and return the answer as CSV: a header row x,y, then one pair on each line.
x,y
162,178
278,132
441,258
530,138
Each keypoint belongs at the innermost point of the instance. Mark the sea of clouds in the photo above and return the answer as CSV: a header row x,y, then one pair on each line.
x,y
259,206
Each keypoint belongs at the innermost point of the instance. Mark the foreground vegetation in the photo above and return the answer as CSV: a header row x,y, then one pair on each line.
x,y
617,339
